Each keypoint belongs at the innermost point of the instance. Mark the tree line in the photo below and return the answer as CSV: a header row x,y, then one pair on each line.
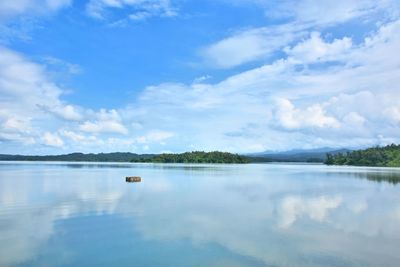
x,y
195,157
387,156
91,157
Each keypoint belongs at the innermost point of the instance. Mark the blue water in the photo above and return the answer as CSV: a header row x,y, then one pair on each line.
x,y
74,214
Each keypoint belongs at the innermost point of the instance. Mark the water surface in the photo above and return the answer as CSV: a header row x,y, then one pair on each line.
x,y
85,214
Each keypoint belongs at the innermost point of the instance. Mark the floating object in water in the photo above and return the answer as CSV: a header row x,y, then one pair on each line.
x,y
133,179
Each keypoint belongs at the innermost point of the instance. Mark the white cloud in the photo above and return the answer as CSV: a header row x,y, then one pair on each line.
x,y
351,100
259,43
80,138
155,136
314,116
352,103
12,8
103,127
14,123
65,111
32,113
316,49
139,9
202,78
249,45
140,16
393,113
74,136
159,135
52,139
328,12
106,122
354,119
24,88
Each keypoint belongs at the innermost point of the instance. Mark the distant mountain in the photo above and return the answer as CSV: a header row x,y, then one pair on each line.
x,y
297,155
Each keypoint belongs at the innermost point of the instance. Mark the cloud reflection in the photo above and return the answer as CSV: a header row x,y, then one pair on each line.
x,y
262,212
315,208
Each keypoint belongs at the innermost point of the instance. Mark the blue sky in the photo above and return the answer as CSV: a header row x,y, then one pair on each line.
x,y
152,76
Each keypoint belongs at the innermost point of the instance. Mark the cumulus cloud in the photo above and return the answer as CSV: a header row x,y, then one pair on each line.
x,y
316,49
32,113
350,104
80,138
52,139
66,111
14,128
311,88
106,122
354,119
314,116
103,127
258,44
24,88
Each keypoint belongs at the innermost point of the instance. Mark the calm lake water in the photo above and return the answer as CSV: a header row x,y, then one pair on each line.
x,y
74,214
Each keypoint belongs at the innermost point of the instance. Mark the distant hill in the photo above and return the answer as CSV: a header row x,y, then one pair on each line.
x,y
387,156
297,155
101,157
196,157
188,157
313,155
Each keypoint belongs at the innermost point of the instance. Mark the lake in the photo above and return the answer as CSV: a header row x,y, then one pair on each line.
x,y
85,214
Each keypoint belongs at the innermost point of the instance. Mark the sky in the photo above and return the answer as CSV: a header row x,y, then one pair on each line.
x,y
153,76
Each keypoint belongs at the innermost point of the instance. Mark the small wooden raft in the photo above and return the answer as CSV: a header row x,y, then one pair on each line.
x,y
133,179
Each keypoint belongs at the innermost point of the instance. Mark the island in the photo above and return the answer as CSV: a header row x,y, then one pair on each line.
x,y
387,156
196,157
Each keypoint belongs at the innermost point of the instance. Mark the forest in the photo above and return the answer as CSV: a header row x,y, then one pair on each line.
x,y
187,157
195,157
387,156
91,157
